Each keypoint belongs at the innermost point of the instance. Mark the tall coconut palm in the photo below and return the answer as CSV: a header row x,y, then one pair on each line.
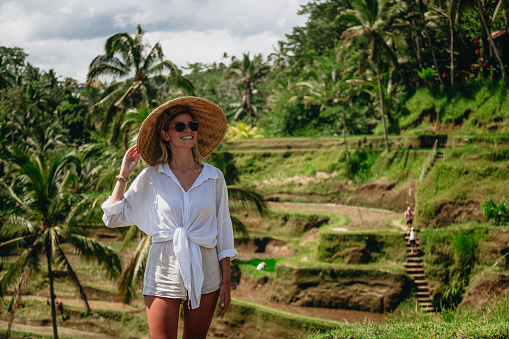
x,y
371,23
41,200
249,73
127,58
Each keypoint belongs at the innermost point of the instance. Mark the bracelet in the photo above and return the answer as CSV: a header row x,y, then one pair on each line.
x,y
119,177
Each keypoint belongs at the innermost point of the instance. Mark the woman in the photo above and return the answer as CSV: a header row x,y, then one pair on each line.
x,y
182,202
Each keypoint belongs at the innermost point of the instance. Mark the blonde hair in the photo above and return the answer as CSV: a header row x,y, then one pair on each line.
x,y
163,123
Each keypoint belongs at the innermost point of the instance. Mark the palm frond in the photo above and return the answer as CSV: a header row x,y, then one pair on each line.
x,y
132,276
241,197
130,236
61,258
16,226
239,228
89,249
28,261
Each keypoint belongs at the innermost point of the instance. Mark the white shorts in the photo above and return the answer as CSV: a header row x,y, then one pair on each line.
x,y
163,277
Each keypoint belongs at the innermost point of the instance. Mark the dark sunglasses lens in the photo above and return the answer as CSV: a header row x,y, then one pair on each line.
x,y
193,125
180,126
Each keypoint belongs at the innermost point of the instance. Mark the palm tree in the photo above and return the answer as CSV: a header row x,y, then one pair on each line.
x,y
279,58
249,73
7,78
40,194
327,84
127,58
371,23
132,275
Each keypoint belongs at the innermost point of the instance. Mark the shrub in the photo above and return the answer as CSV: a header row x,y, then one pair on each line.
x,y
497,213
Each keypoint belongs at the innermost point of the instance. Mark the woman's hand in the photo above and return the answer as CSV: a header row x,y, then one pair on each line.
x,y
224,295
129,162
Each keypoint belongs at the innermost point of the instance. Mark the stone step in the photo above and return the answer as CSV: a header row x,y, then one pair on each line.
x,y
414,270
420,282
422,294
415,276
415,259
423,299
426,304
413,264
423,288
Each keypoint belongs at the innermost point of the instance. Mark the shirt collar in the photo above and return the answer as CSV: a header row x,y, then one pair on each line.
x,y
208,172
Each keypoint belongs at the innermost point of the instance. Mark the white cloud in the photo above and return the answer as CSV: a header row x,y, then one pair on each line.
x,y
67,35
209,46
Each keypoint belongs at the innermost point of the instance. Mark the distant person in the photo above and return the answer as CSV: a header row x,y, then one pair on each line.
x,y
261,266
409,218
413,239
182,203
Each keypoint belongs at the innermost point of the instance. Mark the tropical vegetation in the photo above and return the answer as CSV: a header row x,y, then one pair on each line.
x,y
360,70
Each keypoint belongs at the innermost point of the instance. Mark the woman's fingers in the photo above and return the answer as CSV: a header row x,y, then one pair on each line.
x,y
130,160
224,294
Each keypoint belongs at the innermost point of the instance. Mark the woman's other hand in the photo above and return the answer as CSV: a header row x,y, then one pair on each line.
x,y
225,297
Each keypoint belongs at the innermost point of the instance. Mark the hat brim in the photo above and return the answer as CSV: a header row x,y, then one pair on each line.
x,y
212,130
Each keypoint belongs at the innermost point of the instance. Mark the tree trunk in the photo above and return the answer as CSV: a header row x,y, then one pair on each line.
x,y
51,291
15,306
451,31
488,33
380,94
346,146
417,46
125,138
428,37
115,132
249,94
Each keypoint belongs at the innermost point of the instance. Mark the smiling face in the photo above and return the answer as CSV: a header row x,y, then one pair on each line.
x,y
184,139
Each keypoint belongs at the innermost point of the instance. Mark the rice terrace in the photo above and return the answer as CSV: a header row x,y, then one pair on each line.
x,y
367,110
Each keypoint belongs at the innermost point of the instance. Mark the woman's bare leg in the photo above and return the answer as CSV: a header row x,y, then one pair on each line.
x,y
197,321
162,316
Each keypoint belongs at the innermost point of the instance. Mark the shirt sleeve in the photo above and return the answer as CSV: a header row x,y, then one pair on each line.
x,y
225,242
136,208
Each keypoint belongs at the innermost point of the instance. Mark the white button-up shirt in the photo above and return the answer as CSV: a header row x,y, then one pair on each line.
x,y
158,205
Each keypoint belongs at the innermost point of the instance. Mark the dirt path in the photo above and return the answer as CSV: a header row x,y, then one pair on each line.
x,y
360,217
48,331
94,304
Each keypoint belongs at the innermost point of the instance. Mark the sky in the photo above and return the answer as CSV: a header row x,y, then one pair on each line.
x,y
66,35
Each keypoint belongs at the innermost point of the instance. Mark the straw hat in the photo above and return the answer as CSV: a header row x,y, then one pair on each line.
x,y
212,130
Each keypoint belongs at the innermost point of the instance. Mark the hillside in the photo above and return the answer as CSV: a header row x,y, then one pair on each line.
x,y
463,173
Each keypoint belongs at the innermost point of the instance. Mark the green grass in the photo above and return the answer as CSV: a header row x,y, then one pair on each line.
x,y
469,174
489,323
248,268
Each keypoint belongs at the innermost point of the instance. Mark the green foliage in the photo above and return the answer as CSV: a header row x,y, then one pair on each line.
x,y
497,213
489,323
359,248
427,74
242,131
451,256
465,178
248,268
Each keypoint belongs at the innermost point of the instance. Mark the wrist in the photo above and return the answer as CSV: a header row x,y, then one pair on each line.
x,y
124,178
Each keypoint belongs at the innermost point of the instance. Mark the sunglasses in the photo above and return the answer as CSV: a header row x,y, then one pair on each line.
x,y
181,126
